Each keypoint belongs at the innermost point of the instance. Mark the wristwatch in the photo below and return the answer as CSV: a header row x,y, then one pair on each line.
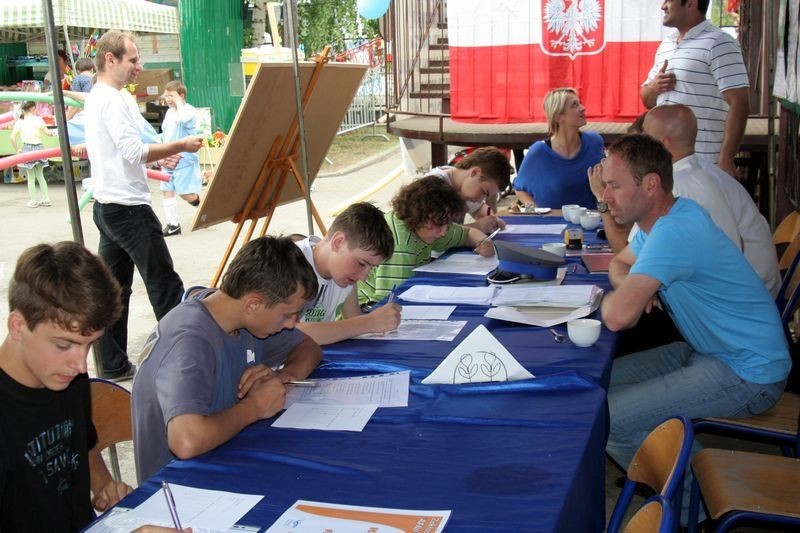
x,y
602,207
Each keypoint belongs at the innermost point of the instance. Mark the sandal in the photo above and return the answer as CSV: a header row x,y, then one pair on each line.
x,y
45,203
33,204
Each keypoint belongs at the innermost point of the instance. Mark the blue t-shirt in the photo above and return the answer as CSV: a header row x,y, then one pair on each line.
x,y
714,296
81,84
554,180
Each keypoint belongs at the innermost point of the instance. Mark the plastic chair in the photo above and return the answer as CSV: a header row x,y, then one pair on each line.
x,y
111,416
660,463
739,486
655,516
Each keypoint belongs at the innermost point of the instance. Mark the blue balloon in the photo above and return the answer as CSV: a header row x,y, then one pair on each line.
x,y
372,9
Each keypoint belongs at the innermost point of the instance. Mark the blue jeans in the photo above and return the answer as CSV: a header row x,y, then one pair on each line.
x,y
132,235
649,386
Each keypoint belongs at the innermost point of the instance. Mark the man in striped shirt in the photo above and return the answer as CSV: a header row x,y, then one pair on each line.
x,y
701,66
423,220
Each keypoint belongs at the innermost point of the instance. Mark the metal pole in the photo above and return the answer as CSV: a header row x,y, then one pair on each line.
x,y
61,121
771,108
291,16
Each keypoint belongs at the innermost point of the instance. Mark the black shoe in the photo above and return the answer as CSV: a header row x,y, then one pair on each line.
x,y
169,230
125,375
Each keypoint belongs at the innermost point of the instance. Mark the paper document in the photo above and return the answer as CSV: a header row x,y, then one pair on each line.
x,y
201,509
420,330
427,312
314,517
545,316
385,390
535,229
551,296
479,358
326,417
443,294
461,263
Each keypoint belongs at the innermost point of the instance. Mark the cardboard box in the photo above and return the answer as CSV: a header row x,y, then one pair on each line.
x,y
150,84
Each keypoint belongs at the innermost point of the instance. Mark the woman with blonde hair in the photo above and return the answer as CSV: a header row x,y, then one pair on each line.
x,y
554,171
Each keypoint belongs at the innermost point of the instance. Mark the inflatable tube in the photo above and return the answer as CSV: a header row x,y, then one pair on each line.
x,y
5,118
15,96
48,153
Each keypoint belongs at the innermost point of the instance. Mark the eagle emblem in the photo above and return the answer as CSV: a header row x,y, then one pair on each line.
x,y
573,27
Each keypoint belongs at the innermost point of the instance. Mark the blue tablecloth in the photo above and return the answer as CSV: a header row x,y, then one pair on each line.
x,y
521,456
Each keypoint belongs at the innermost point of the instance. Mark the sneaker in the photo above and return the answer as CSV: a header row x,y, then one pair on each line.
x,y
171,229
45,203
33,204
125,375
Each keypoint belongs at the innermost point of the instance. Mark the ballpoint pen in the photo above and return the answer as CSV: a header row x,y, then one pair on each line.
x,y
489,237
302,383
173,511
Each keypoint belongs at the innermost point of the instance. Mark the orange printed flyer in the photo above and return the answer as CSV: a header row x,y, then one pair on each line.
x,y
306,516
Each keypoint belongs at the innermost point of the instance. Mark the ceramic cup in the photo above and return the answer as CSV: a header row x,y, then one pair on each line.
x,y
558,248
565,209
583,332
576,213
590,220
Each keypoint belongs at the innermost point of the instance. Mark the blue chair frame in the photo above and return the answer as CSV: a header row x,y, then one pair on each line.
x,y
672,491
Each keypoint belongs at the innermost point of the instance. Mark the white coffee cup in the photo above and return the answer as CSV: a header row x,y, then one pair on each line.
x,y
558,248
566,208
576,213
590,220
583,332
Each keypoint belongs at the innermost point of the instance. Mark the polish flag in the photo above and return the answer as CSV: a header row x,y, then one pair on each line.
x,y
506,54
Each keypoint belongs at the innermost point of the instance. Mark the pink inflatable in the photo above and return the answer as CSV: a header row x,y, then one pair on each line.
x,y
48,153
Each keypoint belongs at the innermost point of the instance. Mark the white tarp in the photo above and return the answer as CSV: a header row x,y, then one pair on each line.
x,y
23,20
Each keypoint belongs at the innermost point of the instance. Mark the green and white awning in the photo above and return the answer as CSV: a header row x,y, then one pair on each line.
x,y
23,20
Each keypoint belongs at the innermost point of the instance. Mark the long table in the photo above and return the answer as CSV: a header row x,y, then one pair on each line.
x,y
520,456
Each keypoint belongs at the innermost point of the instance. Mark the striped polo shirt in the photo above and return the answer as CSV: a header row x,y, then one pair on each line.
x,y
706,63
409,252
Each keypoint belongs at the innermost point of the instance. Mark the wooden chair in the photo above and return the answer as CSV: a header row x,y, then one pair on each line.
x,y
660,463
111,415
655,516
739,486
787,230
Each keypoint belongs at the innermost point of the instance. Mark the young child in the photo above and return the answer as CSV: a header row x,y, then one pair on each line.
x,y
358,240
61,297
478,177
180,121
82,83
30,128
423,220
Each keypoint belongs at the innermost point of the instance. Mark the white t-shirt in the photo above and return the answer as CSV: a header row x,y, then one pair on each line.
x,y
753,227
330,296
691,181
116,151
706,63
444,174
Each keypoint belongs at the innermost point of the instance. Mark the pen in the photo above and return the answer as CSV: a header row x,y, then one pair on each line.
x,y
489,237
391,295
302,383
171,505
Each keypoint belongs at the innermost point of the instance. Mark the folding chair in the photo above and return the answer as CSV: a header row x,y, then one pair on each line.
x,y
660,463
739,486
655,516
111,416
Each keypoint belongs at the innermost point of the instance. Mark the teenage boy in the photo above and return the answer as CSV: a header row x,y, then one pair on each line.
x,y
61,297
477,178
207,369
358,240
423,220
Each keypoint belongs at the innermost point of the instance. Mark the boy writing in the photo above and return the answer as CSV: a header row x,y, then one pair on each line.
x,y
206,371
423,220
478,177
358,240
61,297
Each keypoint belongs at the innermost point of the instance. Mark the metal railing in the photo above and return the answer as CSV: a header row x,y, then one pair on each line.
x,y
417,43
367,105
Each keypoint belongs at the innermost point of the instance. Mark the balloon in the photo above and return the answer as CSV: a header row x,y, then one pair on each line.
x,y
372,9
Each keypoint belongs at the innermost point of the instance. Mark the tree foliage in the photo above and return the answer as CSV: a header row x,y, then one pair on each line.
x,y
322,22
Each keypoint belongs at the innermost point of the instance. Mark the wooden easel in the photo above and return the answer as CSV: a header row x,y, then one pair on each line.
x,y
273,183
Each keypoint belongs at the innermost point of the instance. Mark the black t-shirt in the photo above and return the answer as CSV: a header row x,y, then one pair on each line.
x,y
45,437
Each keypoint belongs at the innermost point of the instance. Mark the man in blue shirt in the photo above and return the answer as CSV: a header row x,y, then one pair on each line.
x,y
735,360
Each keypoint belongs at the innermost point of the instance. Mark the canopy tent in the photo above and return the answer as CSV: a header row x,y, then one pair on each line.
x,y
23,20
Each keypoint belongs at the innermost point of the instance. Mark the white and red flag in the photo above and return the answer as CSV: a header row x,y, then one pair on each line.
x,y
506,54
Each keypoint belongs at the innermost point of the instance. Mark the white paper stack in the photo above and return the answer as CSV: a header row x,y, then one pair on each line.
x,y
453,295
548,296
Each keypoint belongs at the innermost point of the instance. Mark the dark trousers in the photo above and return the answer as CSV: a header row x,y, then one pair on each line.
x,y
131,235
